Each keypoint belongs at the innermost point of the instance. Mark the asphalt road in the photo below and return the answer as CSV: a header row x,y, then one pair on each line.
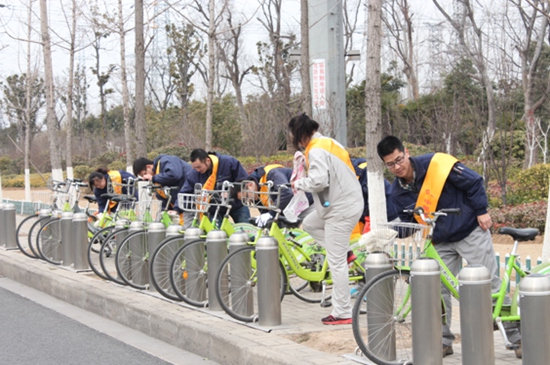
x,y
40,330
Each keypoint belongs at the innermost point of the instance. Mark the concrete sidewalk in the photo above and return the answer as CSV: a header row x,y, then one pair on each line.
x,y
212,335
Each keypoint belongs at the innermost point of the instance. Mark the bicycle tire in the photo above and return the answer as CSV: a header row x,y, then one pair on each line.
x,y
48,241
240,301
131,260
33,234
22,234
107,255
386,320
94,248
188,273
160,266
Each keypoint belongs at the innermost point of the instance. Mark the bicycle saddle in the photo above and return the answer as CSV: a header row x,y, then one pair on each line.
x,y
520,234
90,198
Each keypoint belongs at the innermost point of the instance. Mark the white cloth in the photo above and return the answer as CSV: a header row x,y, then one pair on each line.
x,y
378,240
261,220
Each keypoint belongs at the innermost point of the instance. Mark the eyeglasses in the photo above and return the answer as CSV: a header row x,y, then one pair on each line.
x,y
398,161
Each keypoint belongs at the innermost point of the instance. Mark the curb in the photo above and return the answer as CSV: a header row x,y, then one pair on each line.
x,y
204,334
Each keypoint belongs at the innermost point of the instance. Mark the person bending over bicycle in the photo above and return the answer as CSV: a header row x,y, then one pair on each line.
x,y
336,197
211,170
279,175
438,181
164,170
98,182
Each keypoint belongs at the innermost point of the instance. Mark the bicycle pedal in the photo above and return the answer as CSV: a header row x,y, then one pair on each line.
x,y
326,304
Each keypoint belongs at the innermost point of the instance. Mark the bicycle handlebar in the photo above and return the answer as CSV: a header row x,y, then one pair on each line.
x,y
431,217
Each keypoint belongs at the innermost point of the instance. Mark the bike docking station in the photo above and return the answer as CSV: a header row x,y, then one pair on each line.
x,y
534,302
7,226
156,233
216,251
73,232
476,316
267,264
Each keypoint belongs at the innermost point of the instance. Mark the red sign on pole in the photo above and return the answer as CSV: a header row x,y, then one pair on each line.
x,y
319,84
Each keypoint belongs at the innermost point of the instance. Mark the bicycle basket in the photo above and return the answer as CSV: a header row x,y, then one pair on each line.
x,y
148,210
407,239
63,201
126,209
128,188
261,198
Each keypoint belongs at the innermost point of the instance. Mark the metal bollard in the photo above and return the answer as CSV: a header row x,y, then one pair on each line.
x,y
241,269
155,234
476,317
534,294
2,225
137,272
267,265
426,312
80,241
10,227
216,251
67,242
374,264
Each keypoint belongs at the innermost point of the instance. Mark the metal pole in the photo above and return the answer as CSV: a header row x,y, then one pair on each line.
x,y
80,223
534,294
426,312
67,248
267,266
155,234
216,251
139,273
10,227
476,317
241,270
374,264
2,225
195,258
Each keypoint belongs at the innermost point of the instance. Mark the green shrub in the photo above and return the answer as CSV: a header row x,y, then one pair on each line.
x,y
117,165
527,215
18,181
531,185
82,172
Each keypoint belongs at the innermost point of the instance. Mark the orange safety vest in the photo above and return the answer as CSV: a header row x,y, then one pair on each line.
x,y
116,178
438,171
263,189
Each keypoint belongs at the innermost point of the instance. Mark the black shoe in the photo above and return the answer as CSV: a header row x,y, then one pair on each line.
x,y
518,350
447,350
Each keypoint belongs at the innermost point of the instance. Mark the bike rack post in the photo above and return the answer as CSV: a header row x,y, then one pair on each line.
x,y
195,258
374,264
138,273
155,234
216,251
267,266
426,312
476,317
241,268
10,242
67,248
534,294
80,224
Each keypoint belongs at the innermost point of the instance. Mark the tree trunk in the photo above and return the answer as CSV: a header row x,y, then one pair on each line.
x,y
304,58
128,135
70,83
546,242
211,71
55,156
373,114
141,127
28,91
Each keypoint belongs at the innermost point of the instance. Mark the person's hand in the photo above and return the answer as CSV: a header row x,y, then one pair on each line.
x,y
261,221
147,177
485,221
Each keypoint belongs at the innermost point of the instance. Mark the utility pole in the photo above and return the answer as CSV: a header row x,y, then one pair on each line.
x,y
326,55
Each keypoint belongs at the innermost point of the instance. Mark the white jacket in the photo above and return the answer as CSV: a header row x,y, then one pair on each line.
x,y
330,179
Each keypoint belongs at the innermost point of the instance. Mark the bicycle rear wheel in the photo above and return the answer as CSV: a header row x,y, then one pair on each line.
x,y
308,291
188,273
132,261
236,284
22,235
33,234
107,254
160,266
382,320
94,248
48,241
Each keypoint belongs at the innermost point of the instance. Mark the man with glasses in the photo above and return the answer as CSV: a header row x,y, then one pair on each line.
x,y
437,181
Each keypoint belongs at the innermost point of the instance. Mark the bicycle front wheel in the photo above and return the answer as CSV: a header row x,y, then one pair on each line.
x,y
94,249
132,260
236,284
107,254
188,273
382,319
22,235
48,241
160,266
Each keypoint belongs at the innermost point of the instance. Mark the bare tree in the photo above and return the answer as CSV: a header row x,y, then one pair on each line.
x,y
373,122
51,120
470,38
139,118
398,20
304,58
